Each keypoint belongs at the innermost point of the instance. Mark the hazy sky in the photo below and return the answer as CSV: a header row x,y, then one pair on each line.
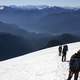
x,y
41,2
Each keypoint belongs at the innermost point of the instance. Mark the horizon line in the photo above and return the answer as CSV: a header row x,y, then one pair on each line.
x,y
41,5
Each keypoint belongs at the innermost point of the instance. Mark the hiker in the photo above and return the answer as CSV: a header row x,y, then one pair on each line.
x,y
60,50
64,52
74,66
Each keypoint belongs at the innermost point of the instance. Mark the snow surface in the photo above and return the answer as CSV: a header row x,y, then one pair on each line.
x,y
41,65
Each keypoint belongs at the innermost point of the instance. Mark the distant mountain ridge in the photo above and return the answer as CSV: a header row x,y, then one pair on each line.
x,y
55,9
45,20
65,38
38,7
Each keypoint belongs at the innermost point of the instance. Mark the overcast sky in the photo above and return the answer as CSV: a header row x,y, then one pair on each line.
x,y
42,2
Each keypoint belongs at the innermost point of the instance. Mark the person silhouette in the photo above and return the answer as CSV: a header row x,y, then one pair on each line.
x,y
64,52
60,50
74,66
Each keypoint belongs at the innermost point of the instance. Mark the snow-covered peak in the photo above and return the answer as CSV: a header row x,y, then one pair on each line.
x,y
2,7
30,7
38,7
72,8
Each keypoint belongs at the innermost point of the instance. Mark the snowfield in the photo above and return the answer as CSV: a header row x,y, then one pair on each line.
x,y
41,65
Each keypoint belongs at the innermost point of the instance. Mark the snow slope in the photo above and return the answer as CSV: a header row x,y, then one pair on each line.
x,y
41,65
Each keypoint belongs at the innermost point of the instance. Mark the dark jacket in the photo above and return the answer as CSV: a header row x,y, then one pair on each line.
x,y
75,62
65,49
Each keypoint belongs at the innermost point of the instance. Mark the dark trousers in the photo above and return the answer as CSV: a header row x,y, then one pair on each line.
x,y
63,57
59,53
71,74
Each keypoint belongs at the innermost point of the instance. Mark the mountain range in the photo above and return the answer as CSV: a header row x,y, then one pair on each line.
x,y
47,20
27,29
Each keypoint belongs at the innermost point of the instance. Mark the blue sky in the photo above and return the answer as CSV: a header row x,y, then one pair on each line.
x,y
67,3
